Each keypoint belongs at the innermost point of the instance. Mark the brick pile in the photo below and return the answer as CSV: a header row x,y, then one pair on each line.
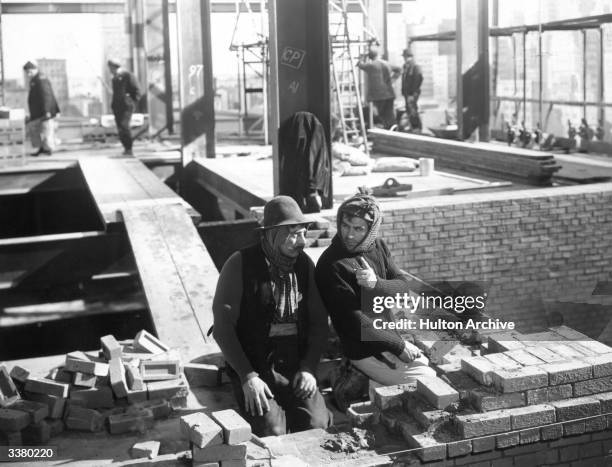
x,y
534,393
123,388
218,439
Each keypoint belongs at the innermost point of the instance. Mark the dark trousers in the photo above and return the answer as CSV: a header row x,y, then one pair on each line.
x,y
288,413
384,108
412,109
122,119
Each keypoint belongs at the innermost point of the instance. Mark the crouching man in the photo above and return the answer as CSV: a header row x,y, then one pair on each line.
x,y
356,263
272,326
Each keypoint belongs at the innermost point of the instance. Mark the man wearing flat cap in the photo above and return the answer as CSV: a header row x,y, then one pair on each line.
x,y
412,79
358,262
271,326
43,109
126,95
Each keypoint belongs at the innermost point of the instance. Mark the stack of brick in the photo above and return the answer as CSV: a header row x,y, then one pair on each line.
x,y
124,387
218,440
536,392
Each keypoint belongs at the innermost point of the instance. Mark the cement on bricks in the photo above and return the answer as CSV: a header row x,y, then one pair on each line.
x,y
500,342
428,449
525,378
484,444
595,424
219,452
459,448
235,428
506,440
486,400
437,392
551,432
482,424
531,416
532,435
593,386
567,372
574,428
576,408
478,368
201,430
13,420
390,396
602,365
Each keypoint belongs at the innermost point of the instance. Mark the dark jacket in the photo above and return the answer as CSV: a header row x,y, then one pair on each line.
x,y
126,92
412,78
305,161
342,296
41,99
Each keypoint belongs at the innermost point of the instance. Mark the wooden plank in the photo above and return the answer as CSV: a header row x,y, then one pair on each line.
x,y
168,297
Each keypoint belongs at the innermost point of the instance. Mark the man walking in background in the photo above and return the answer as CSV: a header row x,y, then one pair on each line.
x,y
43,109
380,86
126,95
412,78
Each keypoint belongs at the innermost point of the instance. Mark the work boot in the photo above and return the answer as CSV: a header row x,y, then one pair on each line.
x,y
128,152
350,387
37,153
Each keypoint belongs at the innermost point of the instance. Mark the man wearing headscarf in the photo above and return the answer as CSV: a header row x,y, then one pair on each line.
x,y
271,326
358,262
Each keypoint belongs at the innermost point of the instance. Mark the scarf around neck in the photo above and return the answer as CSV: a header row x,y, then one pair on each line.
x,y
365,207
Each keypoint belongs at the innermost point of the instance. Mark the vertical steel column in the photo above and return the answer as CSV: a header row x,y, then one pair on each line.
x,y
483,64
584,73
129,30
540,66
601,115
140,55
274,93
2,82
209,84
168,68
524,76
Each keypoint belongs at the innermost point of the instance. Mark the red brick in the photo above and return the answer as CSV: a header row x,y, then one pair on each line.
x,y
117,378
168,389
55,404
56,426
235,428
593,386
538,396
151,370
602,365
13,420
94,398
46,386
523,357
134,421
576,408
502,341
37,433
595,424
428,449
551,432
110,347
37,410
482,424
135,397
11,438
84,380
8,390
134,378
437,392
485,399
532,435
82,419
145,341
483,444
93,366
390,396
531,416
201,430
221,452
506,440
200,374
479,368
19,374
528,377
574,428
460,448
501,361
567,372
160,408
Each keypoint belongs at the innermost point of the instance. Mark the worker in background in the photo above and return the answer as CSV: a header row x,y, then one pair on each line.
x,y
412,78
271,326
380,85
43,109
358,262
126,95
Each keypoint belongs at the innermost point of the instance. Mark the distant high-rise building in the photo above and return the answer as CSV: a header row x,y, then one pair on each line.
x,y
55,70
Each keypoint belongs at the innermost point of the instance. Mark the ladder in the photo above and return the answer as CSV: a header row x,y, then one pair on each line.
x,y
344,49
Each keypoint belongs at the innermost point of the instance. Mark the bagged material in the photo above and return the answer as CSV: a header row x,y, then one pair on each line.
x,y
395,164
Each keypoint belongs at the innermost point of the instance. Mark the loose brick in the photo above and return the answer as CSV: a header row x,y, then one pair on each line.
x,y
46,386
486,400
38,411
390,396
501,361
168,389
145,449
360,413
574,428
201,375
567,372
602,365
573,409
201,430
529,436
82,419
61,375
19,374
593,386
484,444
479,368
13,420
160,408
235,428
506,440
501,342
428,449
8,390
84,380
135,397
567,351
531,416
55,405
523,379
136,420
523,357
459,448
544,354
475,425
92,366
551,432
37,433
56,426
147,342
134,378
11,438
117,378
94,398
595,424
437,392
220,452
110,347
151,370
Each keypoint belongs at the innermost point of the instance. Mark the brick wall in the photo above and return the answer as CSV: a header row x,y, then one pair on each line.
x,y
535,247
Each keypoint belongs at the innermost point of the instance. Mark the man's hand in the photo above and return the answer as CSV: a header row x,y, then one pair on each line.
x,y
256,394
366,277
304,385
410,353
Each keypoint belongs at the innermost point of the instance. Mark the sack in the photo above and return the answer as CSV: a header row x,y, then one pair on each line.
x,y
395,164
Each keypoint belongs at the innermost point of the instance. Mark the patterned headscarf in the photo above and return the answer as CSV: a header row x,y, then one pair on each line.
x,y
365,207
282,274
